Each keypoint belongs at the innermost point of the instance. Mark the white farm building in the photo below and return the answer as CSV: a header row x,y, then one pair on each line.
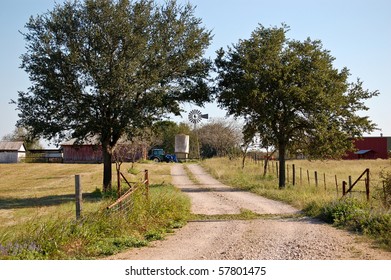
x,y
12,152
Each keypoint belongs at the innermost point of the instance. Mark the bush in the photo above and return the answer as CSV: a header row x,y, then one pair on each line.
x,y
344,211
359,217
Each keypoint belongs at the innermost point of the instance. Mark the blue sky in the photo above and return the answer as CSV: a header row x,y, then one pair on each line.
x,y
358,34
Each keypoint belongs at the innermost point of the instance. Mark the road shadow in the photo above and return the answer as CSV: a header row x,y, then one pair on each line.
x,y
51,200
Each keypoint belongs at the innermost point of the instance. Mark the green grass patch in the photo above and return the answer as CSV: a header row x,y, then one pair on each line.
x,y
244,215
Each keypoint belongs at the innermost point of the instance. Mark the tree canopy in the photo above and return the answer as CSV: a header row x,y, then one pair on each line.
x,y
220,137
289,92
108,68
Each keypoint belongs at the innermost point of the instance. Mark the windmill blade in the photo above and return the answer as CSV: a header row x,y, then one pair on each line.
x,y
195,116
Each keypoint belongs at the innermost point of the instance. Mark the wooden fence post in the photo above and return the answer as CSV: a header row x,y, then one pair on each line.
x,y
316,178
79,196
146,180
308,177
118,182
367,185
301,176
277,168
287,172
343,188
336,183
324,178
293,174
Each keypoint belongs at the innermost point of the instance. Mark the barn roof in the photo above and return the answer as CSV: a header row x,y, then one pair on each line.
x,y
88,141
10,145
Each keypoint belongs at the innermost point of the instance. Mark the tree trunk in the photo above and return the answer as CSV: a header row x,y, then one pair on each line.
x,y
244,160
281,159
265,166
107,166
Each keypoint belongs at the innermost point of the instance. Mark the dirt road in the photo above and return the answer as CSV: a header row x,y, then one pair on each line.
x,y
273,237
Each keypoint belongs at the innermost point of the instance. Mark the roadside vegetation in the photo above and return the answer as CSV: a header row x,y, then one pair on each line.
x,y
37,212
371,218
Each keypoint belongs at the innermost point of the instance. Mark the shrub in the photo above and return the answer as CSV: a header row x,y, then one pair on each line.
x,y
344,211
359,217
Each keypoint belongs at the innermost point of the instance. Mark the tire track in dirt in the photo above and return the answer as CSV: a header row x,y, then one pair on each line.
x,y
238,198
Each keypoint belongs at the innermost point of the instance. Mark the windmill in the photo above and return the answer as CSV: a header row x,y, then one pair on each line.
x,y
195,116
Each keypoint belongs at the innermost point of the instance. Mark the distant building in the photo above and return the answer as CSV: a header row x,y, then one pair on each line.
x,y
12,152
86,151
44,156
371,148
90,151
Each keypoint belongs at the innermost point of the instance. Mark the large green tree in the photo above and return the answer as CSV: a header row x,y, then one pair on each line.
x,y
111,67
289,92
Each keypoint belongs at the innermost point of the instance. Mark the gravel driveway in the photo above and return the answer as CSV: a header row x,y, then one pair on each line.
x,y
270,238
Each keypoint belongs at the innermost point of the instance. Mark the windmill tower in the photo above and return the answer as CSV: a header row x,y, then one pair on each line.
x,y
195,116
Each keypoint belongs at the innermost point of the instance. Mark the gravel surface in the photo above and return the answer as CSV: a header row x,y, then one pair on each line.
x,y
270,238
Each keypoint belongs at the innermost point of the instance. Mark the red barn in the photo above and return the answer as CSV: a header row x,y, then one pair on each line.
x,y
88,151
370,148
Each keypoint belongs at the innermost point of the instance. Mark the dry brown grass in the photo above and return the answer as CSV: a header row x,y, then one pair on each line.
x,y
39,191
231,172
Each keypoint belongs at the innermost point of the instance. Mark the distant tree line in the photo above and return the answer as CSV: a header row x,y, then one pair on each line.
x,y
218,137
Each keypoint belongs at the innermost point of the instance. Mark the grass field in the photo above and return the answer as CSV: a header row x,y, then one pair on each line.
x,y
37,207
325,201
251,177
37,210
35,190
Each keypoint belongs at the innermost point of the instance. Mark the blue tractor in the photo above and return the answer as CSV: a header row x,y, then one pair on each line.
x,y
158,155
